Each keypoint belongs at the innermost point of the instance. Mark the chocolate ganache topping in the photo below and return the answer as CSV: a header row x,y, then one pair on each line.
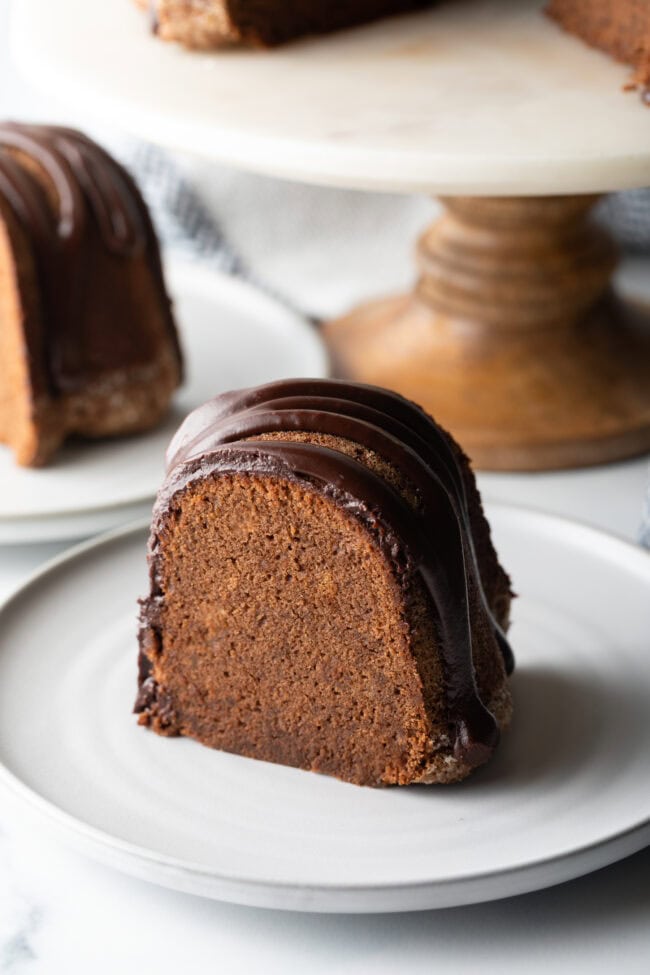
x,y
81,212
433,539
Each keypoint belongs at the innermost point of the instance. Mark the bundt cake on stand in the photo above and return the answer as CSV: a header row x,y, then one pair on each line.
x,y
619,27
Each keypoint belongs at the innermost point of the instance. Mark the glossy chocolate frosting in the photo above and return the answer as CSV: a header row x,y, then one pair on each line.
x,y
433,539
82,214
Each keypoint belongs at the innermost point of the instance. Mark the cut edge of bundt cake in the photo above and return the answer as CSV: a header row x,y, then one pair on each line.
x,y
88,344
311,597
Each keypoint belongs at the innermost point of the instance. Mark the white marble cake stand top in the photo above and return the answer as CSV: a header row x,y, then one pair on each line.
x,y
483,97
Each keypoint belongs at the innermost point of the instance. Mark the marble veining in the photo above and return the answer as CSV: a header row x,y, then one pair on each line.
x,y
20,915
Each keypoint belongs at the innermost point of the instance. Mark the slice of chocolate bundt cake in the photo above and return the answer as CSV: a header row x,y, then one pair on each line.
x,y
324,591
87,340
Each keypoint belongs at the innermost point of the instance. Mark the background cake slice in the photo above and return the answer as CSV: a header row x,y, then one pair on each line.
x,y
87,340
324,590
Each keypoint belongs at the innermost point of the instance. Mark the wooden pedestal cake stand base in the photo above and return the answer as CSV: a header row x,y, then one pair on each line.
x,y
513,337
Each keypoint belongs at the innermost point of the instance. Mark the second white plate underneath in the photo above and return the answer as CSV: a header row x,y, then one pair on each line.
x,y
232,335
567,792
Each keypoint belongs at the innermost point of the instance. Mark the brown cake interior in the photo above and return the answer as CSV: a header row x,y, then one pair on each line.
x,y
23,402
284,632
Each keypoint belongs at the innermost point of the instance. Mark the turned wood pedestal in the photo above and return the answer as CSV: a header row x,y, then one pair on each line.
x,y
513,337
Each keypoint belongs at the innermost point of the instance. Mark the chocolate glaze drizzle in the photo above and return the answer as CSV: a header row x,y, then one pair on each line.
x,y
98,208
435,540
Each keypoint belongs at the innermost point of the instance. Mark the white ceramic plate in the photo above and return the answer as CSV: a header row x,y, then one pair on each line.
x,y
233,335
568,792
484,97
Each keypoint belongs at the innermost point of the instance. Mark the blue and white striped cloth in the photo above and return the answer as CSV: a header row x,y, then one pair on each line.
x,y
184,223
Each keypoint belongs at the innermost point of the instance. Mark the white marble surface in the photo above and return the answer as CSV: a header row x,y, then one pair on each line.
x,y
67,915
61,914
